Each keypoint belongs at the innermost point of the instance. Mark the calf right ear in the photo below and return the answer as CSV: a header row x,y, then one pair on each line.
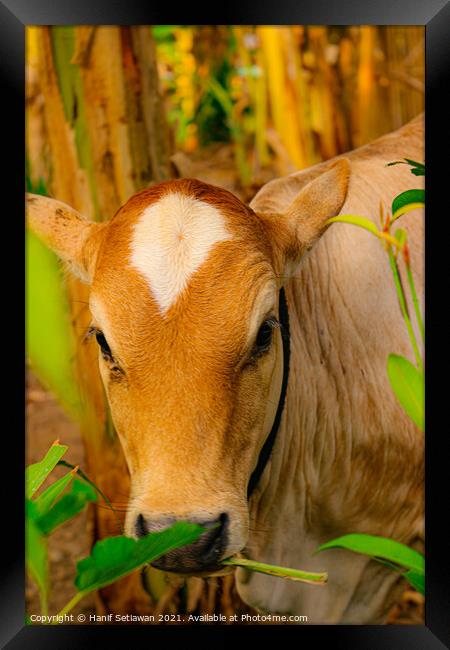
x,y
297,229
64,230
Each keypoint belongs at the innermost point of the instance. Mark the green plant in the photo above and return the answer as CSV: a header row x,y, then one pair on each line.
x,y
397,556
49,341
113,557
406,379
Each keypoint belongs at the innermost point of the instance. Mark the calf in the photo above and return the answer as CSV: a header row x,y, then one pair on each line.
x,y
243,351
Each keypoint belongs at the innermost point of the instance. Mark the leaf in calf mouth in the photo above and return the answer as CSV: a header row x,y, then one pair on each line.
x,y
115,557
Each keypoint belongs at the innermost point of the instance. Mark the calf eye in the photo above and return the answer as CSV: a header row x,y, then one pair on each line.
x,y
264,336
106,350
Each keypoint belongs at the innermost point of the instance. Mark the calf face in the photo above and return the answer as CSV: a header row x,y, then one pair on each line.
x,y
185,281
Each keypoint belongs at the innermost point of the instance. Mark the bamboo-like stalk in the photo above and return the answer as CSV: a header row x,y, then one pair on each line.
x,y
323,95
366,88
36,136
271,47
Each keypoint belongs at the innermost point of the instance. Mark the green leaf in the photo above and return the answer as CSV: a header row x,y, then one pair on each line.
x,y
379,547
417,580
407,201
418,169
50,344
36,474
115,557
45,500
36,559
408,385
68,506
31,509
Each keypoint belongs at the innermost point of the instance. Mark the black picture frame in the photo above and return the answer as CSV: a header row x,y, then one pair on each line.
x,y
435,16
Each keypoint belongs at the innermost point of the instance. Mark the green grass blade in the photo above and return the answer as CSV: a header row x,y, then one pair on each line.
x,y
418,169
45,500
37,560
355,220
69,505
366,224
280,572
36,474
417,580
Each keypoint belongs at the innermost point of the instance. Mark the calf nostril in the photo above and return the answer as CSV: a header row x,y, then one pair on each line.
x,y
223,520
219,526
214,537
141,527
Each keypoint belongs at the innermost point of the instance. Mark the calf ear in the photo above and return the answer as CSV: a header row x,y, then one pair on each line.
x,y
66,232
295,231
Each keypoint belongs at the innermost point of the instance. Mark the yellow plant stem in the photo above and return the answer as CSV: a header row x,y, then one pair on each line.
x,y
366,224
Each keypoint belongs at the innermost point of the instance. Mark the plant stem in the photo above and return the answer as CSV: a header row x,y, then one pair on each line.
x,y
44,601
278,571
70,605
404,309
415,302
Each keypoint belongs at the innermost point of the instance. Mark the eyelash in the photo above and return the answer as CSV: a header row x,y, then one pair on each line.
x,y
264,346
105,349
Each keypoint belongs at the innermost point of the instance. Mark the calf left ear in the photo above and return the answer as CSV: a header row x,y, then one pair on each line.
x,y
64,230
295,231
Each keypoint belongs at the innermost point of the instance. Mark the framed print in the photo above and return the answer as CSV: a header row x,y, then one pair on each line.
x,y
225,300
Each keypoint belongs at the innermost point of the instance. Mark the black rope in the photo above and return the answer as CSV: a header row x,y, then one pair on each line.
x,y
266,450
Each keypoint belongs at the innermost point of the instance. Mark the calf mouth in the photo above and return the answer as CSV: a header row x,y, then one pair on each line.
x,y
212,572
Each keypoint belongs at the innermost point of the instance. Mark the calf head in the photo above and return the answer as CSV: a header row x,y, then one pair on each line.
x,y
184,285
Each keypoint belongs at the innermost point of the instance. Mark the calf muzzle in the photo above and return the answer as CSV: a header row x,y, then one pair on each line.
x,y
202,556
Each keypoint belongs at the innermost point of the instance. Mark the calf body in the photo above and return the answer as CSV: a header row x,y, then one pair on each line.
x,y
185,283
348,459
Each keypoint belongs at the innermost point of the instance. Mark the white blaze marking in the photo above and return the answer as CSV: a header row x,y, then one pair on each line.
x,y
171,241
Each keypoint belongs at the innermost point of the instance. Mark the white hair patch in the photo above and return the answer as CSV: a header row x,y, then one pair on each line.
x,y
171,240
